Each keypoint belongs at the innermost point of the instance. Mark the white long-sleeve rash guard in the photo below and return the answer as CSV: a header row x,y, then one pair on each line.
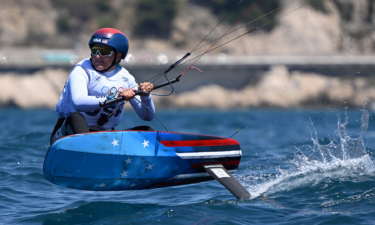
x,y
86,87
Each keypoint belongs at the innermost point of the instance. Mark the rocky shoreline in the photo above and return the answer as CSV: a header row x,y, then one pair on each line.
x,y
306,35
276,88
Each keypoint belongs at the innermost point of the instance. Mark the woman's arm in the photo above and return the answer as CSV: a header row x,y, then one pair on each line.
x,y
141,110
81,101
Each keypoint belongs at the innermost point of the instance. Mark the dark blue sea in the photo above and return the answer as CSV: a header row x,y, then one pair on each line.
x,y
315,166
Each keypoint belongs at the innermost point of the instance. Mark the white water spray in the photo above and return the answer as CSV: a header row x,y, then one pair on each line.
x,y
345,157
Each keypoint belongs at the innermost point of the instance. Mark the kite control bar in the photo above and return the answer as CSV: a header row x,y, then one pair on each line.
x,y
137,92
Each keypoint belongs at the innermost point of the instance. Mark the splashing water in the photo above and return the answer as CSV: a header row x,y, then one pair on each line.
x,y
346,152
343,157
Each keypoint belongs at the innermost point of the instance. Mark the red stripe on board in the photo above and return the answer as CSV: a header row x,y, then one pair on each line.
x,y
225,163
195,143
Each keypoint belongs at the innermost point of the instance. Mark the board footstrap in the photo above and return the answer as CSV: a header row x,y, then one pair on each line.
x,y
222,175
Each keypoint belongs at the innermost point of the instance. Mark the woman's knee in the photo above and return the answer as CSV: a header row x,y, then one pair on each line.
x,y
77,123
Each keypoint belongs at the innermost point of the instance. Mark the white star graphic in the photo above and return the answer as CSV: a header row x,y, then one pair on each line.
x,y
133,185
115,142
149,167
123,174
129,160
102,185
145,143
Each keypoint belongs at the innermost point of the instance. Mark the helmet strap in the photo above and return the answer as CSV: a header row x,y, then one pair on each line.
x,y
105,70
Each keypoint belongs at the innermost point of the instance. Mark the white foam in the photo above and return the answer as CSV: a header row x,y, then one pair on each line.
x,y
343,159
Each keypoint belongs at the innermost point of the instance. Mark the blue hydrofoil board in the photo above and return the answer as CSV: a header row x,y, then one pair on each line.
x,y
135,160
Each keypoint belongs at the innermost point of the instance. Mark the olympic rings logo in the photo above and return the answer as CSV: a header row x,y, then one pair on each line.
x,y
111,92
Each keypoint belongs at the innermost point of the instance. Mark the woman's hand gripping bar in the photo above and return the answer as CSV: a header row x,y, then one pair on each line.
x,y
137,92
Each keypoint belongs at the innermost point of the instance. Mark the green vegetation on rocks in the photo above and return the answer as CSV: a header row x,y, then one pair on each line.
x,y
73,14
345,26
318,5
222,7
154,18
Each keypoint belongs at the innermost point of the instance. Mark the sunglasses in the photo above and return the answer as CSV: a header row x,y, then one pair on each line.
x,y
103,52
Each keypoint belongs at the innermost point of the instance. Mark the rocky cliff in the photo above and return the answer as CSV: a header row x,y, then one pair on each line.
x,y
281,89
276,88
341,26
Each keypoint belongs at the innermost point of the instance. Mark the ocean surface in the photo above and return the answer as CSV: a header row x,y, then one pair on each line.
x,y
314,166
